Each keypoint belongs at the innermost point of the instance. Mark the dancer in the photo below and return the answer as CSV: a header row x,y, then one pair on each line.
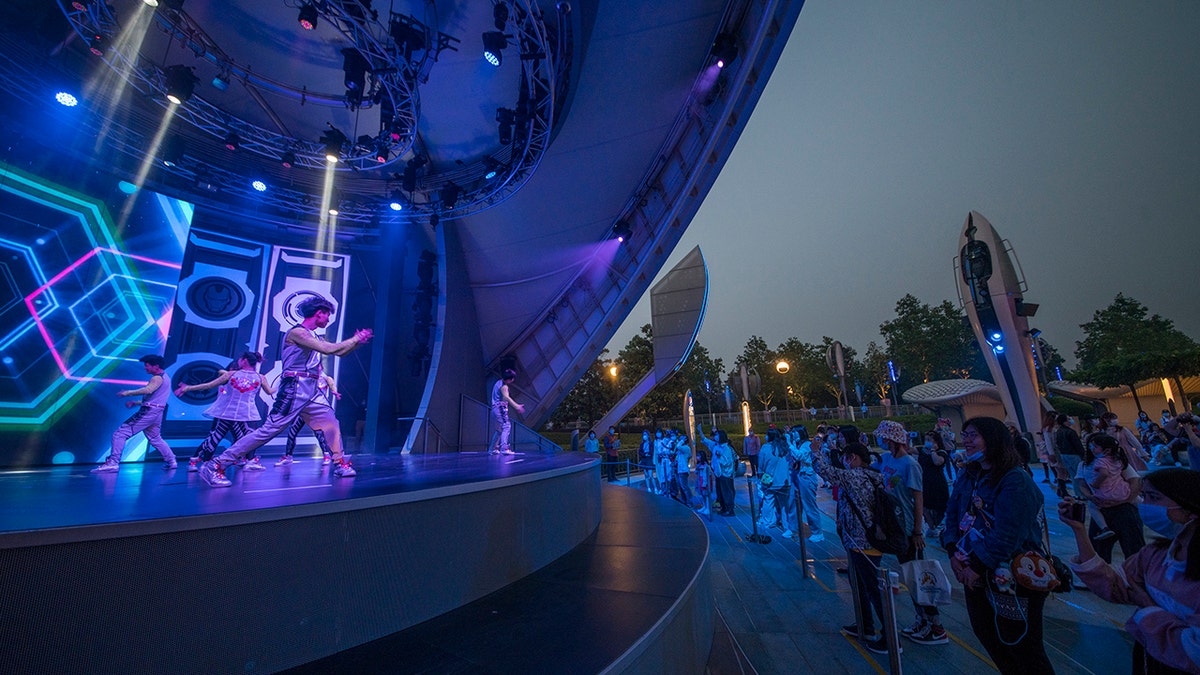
x,y
234,408
325,387
147,420
500,403
298,394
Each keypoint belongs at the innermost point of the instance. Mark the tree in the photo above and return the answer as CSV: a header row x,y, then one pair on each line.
x,y
875,371
592,396
700,373
1123,344
931,342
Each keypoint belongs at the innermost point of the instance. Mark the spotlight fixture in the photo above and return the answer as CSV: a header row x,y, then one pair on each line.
x,y
355,66
287,159
232,141
494,43
151,3
79,5
308,16
66,98
397,200
259,186
506,118
622,231
333,140
725,49
500,15
220,81
492,166
98,45
172,150
381,154
181,82
449,195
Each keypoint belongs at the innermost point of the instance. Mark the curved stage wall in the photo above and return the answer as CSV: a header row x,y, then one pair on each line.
x,y
286,585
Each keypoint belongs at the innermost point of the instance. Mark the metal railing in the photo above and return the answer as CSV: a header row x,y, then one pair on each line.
x,y
426,425
477,430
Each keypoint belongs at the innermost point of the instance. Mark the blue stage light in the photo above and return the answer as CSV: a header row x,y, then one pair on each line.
x,y
127,187
996,336
999,349
259,185
66,99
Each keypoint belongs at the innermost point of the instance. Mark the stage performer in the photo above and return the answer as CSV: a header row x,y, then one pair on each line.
x,y
147,420
500,403
327,388
298,395
234,408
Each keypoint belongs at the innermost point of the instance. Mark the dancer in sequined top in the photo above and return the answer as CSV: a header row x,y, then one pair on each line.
x,y
234,408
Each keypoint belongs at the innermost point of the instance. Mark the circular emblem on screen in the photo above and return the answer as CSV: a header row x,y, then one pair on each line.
x,y
215,298
198,372
291,313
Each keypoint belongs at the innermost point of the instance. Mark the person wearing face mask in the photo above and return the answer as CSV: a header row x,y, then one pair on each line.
x,y
646,461
933,457
994,514
1162,580
724,459
1134,451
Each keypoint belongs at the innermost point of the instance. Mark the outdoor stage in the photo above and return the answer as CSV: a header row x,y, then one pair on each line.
x,y
153,571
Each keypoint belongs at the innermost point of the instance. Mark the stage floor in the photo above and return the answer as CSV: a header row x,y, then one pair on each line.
x,y
55,504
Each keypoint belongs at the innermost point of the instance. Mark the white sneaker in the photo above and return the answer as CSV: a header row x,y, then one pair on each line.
x,y
787,534
107,467
254,465
327,460
817,538
285,461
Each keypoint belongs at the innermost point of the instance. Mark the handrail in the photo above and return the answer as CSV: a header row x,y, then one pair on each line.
x,y
426,423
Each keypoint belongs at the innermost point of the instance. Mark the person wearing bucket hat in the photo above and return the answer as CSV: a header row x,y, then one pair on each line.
x,y
1162,579
902,478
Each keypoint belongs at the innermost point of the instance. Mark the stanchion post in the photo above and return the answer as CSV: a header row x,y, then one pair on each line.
x,y
628,473
800,530
889,583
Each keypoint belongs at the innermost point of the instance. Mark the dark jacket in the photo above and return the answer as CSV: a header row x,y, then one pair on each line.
x,y
1008,516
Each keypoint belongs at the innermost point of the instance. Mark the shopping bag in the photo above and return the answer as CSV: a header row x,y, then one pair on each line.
x,y
926,581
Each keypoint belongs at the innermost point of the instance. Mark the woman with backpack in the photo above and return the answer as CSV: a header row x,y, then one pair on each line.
x,y
773,479
993,518
856,486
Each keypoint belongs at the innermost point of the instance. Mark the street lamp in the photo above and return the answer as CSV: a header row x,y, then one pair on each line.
x,y
782,367
613,371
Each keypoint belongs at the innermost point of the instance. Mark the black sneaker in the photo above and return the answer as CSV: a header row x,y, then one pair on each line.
x,y
932,635
880,646
852,631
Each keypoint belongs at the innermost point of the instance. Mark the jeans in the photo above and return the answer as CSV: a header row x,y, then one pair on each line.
x,y
866,569
685,493
725,494
610,467
1028,655
804,488
1125,521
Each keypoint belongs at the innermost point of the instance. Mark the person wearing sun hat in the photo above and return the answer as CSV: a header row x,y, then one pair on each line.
x,y
1162,579
903,479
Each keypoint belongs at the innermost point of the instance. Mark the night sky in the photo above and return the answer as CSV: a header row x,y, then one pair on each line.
x,y
1074,127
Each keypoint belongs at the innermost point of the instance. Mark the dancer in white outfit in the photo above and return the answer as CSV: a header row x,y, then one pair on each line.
x,y
147,420
298,393
500,402
234,408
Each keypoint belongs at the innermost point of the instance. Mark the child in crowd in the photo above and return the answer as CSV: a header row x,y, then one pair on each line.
x,y
1103,463
703,480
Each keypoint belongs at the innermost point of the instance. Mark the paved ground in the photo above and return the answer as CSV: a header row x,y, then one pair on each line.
x,y
787,621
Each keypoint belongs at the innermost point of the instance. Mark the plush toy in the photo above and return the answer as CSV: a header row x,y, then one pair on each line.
x,y
1034,572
